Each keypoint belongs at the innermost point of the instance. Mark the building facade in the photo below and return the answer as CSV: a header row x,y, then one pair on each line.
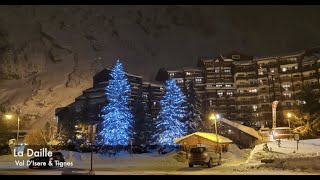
x,y
93,99
242,87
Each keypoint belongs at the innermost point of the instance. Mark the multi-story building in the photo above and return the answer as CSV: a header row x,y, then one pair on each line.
x,y
95,98
242,87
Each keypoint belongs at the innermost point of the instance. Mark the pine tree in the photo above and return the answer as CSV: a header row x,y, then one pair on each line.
x,y
139,127
117,117
194,109
143,125
173,111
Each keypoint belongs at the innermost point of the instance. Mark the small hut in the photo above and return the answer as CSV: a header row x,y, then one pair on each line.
x,y
201,138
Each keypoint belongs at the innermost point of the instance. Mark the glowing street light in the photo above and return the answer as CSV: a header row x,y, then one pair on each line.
x,y
8,116
289,116
214,117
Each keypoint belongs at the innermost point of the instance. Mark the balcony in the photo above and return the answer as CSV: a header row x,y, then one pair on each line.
x,y
308,68
265,109
269,65
247,102
311,77
245,77
248,85
263,91
249,110
289,71
260,101
315,86
246,94
245,69
286,79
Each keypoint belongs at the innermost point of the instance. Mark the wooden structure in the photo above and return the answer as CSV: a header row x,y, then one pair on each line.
x,y
243,136
201,138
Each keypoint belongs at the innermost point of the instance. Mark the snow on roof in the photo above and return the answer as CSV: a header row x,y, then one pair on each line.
x,y
243,128
207,136
297,53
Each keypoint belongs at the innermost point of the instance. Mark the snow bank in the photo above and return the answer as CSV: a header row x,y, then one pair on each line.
x,y
287,156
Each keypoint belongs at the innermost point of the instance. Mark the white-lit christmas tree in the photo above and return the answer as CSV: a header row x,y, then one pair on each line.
x,y
117,117
169,121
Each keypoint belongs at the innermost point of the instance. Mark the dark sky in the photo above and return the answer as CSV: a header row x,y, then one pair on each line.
x,y
147,37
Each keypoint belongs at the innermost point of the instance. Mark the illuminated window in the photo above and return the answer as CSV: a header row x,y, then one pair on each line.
x,y
230,93
227,70
171,74
219,85
272,70
188,73
228,85
179,81
217,70
254,107
154,103
220,94
198,80
284,69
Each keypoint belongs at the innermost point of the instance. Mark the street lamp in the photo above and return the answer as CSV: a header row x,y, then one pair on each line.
x,y
289,116
214,117
9,116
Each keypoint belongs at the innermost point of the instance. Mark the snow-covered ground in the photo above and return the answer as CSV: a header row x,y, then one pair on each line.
x,y
307,157
235,161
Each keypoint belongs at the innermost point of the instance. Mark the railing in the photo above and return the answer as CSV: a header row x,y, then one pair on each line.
x,y
311,76
307,68
247,102
246,94
247,85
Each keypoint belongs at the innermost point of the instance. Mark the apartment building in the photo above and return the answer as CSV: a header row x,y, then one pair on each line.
x,y
242,87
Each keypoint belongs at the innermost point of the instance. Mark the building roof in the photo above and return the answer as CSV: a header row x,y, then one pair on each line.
x,y
277,55
245,129
198,137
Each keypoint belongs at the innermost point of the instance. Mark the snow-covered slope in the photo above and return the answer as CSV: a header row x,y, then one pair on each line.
x,y
49,54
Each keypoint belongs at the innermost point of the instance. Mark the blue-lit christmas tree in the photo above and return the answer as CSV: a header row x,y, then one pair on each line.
x,y
117,117
169,121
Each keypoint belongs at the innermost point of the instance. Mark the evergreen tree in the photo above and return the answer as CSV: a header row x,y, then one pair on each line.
x,y
117,117
173,111
194,109
142,122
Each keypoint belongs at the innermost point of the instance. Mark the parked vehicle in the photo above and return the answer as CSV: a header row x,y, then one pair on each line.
x,y
203,155
43,162
266,134
282,133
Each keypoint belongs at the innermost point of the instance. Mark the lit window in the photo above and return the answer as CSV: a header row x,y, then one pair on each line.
x,y
220,94
253,90
254,107
284,69
154,103
198,80
229,93
228,85
145,96
272,70
260,72
227,70
171,74
219,85
217,70
179,81
188,73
